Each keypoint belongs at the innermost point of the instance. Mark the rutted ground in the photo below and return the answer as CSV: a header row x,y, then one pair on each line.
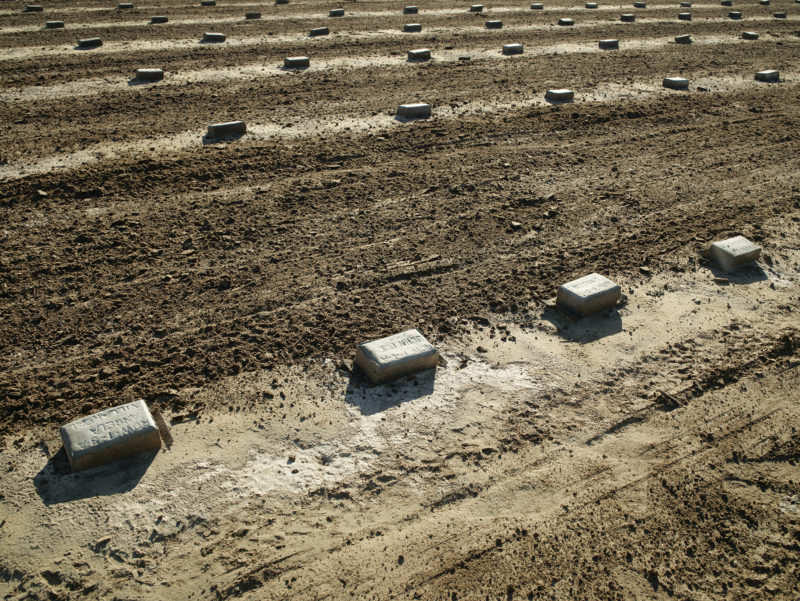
x,y
647,453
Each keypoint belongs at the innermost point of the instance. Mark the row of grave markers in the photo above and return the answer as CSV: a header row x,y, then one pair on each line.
x,y
129,429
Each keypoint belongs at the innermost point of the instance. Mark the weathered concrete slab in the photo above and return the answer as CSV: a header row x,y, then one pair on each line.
x,y
537,6
317,31
296,62
476,8
735,15
336,12
150,74
216,38
771,75
764,2
208,3
676,83
684,16
590,5
588,295
627,18
33,8
726,3
564,22
410,10
90,43
640,5
686,5
229,128
609,44
125,5
730,253
510,49
54,25
159,19
414,111
395,356
561,95
780,15
683,39
252,16
749,35
281,1
110,435
494,24
412,27
420,54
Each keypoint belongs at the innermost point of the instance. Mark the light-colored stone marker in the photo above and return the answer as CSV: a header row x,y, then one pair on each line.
x,y
159,19
229,128
749,35
54,25
735,14
732,252
319,31
110,435
421,54
395,356
609,44
90,43
210,36
412,27
494,24
564,22
414,111
252,16
124,5
476,8
588,295
537,6
410,10
296,62
208,3
779,15
33,8
336,12
676,83
509,49
771,75
590,5
640,5
627,18
150,74
683,39
684,16
559,95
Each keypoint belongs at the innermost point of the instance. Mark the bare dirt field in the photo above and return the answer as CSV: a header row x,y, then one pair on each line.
x,y
650,452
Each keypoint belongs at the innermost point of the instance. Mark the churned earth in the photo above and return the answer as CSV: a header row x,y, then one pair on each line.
x,y
647,453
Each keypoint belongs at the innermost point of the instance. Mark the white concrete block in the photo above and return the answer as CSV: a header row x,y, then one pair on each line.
x,y
627,18
125,5
476,8
564,22
779,15
54,25
216,38
319,31
559,95
296,62
590,5
90,43
537,6
683,39
110,435
771,75
509,49
732,252
252,16
494,24
336,12
414,111
684,16
640,5
410,10
412,27
735,15
159,19
749,35
150,74
229,128
395,356
33,8
676,83
588,295
421,54
609,44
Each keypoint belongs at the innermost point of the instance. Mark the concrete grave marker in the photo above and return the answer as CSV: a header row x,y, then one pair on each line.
x,y
726,3
412,27
730,253
510,49
561,95
110,435
639,5
476,8
414,111
764,2
564,22
33,8
319,31
590,5
90,43
296,62
410,10
735,14
124,5
494,24
421,54
686,5
159,19
609,44
281,1
208,3
336,12
627,18
749,35
54,25
229,128
771,75
684,16
676,83
213,37
588,295
252,16
150,74
395,356
779,15
683,39
537,6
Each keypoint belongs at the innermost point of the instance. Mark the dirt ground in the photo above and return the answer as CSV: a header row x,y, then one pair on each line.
x,y
647,453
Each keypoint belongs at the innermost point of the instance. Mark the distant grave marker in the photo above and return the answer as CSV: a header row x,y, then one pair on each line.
x,y
588,295
150,74
319,31
771,75
683,39
414,111
510,49
125,5
476,8
749,35
640,5
561,95
686,5
296,62
564,22
410,10
208,3
336,12
590,5
780,15
676,83
735,15
395,356
609,44
33,8
412,27
54,25
494,24
731,253
159,19
537,6
627,18
726,3
213,37
252,16
684,16
90,43
227,129
421,54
